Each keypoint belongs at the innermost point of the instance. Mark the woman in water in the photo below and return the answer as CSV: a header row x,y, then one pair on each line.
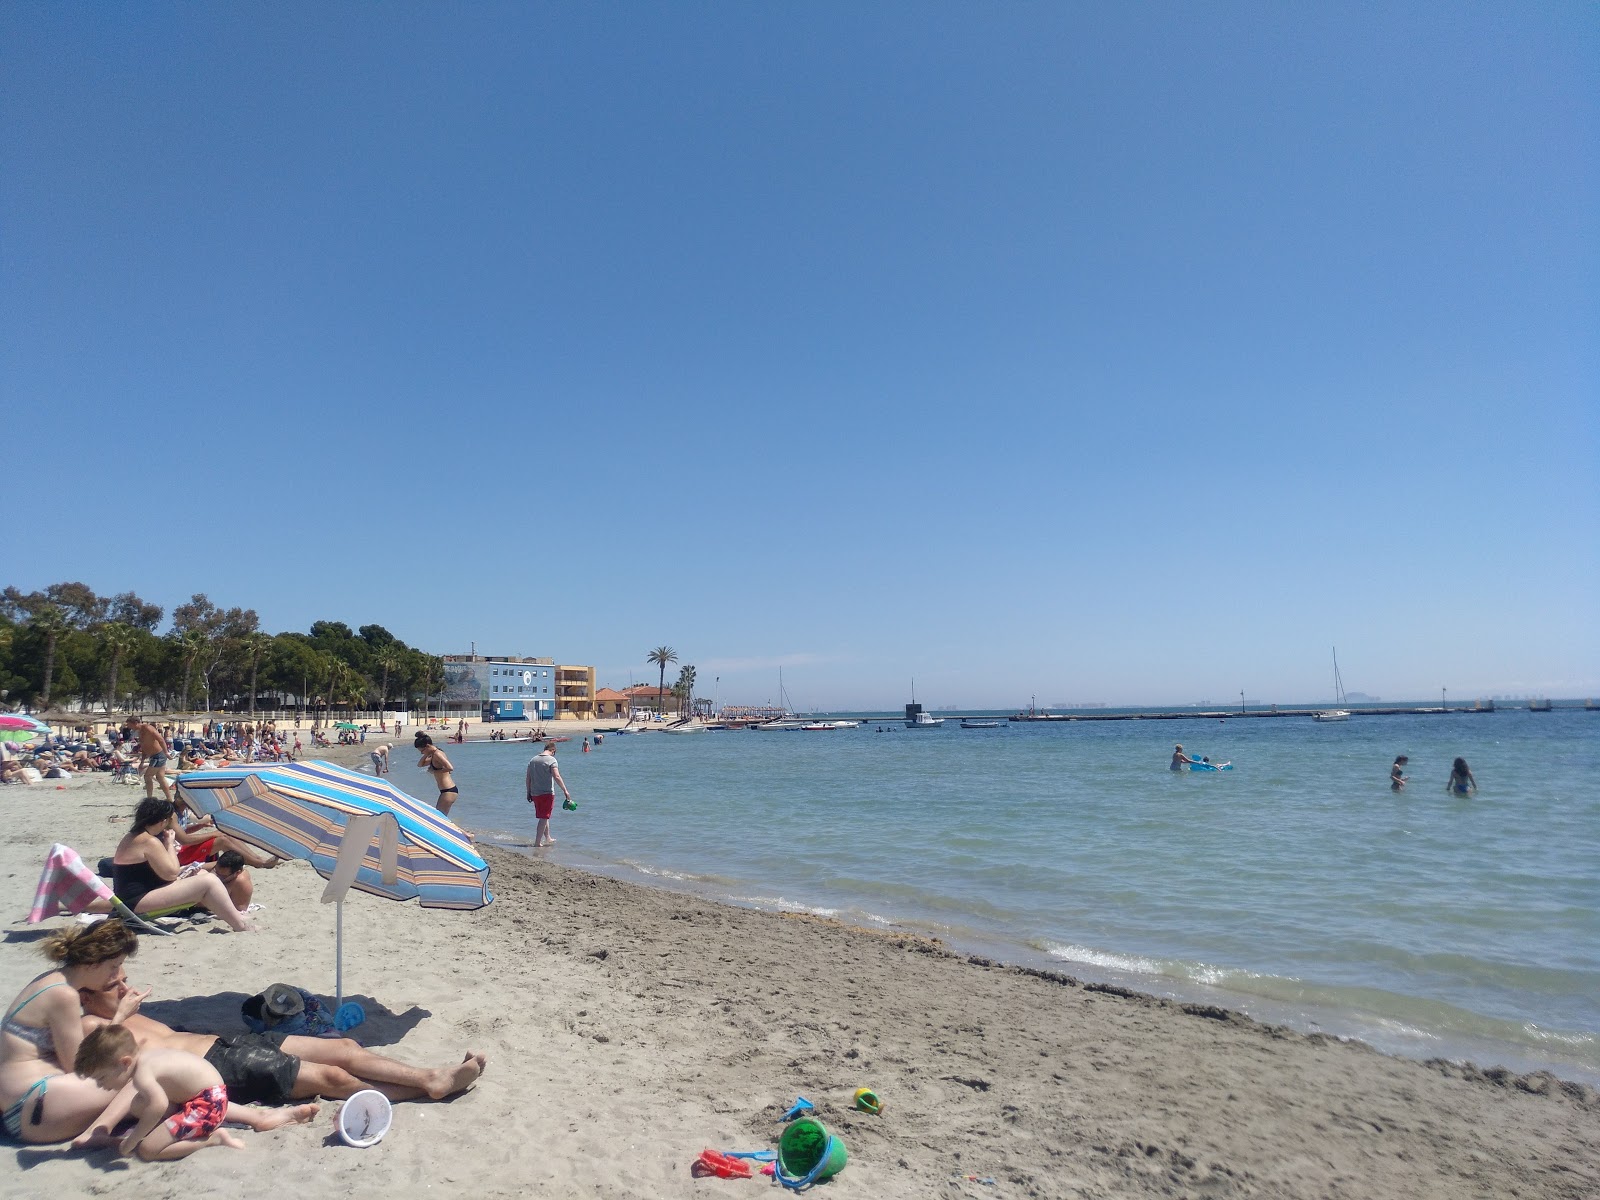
x,y
1179,758
1461,781
41,1101
433,759
1397,774
145,868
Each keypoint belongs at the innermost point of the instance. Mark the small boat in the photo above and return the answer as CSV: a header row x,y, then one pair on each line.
x,y
846,724
686,727
965,724
1338,712
917,719
819,726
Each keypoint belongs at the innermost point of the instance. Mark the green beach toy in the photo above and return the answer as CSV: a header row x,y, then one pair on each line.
x,y
807,1153
570,804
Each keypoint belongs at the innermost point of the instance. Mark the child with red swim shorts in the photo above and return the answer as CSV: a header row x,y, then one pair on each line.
x,y
146,1083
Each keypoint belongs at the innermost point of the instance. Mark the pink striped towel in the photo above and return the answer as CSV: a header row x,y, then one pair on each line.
x,y
67,884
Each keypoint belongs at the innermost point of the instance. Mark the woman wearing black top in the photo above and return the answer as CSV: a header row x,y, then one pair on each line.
x,y
145,869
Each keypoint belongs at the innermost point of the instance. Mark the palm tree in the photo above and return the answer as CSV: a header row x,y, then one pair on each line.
x,y
191,642
389,659
255,645
661,656
118,639
52,623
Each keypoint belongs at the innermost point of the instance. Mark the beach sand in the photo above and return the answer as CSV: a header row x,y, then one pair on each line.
x,y
629,1028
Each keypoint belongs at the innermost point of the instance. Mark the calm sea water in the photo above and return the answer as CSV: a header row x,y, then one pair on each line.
x,y
1295,887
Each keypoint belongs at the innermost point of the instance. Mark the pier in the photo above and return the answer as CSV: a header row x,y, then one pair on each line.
x,y
1222,714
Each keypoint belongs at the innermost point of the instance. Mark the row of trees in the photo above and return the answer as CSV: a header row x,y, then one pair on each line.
x,y
683,689
65,644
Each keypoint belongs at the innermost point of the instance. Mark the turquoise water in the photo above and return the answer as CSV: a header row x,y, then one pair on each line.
x,y
1295,887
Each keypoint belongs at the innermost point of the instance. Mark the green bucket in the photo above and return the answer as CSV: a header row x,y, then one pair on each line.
x,y
807,1153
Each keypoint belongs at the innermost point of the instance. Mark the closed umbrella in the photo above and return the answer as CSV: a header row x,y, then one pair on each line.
x,y
355,830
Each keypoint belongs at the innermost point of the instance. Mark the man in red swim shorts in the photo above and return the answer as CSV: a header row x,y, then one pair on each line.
x,y
543,776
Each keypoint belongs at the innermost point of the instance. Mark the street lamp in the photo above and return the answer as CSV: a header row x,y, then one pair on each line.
x,y
1241,702
1442,704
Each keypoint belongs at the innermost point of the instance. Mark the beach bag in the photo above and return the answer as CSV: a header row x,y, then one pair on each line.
x,y
284,1008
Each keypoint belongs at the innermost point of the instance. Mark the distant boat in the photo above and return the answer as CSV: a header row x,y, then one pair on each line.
x,y
686,727
1338,712
965,724
915,717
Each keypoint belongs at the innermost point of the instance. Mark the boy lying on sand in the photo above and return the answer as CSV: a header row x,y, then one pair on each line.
x,y
146,1083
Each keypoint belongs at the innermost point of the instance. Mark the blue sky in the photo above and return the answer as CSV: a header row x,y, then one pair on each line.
x,y
1113,353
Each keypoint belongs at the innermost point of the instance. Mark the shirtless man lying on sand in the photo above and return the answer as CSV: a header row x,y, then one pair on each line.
x,y
271,1068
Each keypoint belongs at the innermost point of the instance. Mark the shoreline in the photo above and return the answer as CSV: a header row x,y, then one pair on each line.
x,y
1324,1018
1324,1014
629,1026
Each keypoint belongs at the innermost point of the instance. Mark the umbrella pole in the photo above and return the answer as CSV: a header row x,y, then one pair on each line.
x,y
338,957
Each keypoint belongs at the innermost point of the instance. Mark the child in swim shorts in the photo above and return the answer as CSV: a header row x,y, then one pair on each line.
x,y
168,1128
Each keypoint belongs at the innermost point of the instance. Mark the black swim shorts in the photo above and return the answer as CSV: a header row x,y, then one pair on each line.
x,y
254,1068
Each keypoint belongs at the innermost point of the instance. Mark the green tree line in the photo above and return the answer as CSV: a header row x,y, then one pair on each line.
x,y
66,645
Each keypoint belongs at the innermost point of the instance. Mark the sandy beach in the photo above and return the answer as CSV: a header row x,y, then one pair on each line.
x,y
627,1029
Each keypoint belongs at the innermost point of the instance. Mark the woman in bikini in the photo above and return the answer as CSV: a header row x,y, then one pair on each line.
x,y
433,759
39,1100
1461,781
145,869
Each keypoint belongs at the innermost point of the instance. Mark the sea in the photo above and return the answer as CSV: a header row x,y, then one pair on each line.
x,y
1295,887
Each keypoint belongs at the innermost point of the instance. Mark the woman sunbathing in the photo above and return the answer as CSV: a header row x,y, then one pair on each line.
x,y
145,869
40,1101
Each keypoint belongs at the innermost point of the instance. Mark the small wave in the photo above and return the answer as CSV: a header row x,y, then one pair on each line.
x,y
1130,963
781,904
660,872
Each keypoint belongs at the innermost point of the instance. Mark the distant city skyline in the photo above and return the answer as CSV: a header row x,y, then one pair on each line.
x,y
1131,353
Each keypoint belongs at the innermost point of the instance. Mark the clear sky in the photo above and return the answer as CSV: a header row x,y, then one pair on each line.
x,y
1093,352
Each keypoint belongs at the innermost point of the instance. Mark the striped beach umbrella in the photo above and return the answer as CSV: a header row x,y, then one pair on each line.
x,y
355,830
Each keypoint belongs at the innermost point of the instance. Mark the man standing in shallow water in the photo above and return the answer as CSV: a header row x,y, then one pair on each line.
x,y
543,775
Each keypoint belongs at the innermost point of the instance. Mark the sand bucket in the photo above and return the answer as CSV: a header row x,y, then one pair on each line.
x,y
808,1153
365,1118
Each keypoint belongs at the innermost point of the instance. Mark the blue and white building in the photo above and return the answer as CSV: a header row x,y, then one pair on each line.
x,y
502,689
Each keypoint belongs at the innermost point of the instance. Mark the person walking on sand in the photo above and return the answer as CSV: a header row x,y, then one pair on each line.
x,y
154,746
1397,774
1461,781
543,776
433,759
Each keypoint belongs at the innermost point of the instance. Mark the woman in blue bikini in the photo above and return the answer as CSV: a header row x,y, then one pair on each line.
x,y
39,1100
1461,781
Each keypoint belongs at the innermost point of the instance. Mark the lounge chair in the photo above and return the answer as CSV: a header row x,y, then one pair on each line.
x,y
68,885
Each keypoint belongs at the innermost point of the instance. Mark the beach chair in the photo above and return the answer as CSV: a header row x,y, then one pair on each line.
x,y
68,885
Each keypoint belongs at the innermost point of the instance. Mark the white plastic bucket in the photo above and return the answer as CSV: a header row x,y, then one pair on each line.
x,y
365,1118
